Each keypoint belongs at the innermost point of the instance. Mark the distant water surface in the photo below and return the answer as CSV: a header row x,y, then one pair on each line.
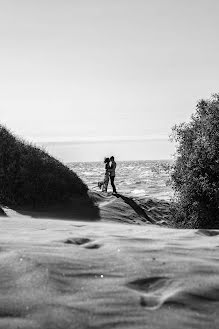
x,y
134,178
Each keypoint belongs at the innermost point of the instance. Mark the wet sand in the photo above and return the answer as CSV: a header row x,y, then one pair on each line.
x,y
105,274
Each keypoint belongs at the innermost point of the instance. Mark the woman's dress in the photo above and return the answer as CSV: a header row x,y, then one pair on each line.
x,y
105,182
106,179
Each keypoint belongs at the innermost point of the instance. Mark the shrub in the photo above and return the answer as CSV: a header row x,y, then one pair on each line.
x,y
2,213
31,177
195,175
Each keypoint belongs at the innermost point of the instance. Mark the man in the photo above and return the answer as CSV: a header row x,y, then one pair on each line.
x,y
112,173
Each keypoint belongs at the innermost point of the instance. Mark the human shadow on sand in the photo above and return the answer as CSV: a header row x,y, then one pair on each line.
x,y
135,207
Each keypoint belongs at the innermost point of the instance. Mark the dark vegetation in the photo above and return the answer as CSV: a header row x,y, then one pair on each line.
x,y
2,213
195,175
29,177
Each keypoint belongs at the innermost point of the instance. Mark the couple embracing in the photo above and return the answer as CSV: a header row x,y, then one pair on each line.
x,y
110,172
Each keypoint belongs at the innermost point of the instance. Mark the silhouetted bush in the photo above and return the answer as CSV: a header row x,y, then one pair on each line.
x,y
195,175
2,213
31,177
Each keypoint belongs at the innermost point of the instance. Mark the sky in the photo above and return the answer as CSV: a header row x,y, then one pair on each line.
x,y
91,78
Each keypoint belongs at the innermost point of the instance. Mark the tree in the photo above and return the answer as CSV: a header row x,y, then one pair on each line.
x,y
195,175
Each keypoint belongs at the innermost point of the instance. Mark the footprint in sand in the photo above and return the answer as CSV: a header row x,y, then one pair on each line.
x,y
208,232
77,241
78,225
87,243
92,246
155,291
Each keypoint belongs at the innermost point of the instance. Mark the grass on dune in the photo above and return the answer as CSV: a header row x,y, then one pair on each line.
x,y
31,177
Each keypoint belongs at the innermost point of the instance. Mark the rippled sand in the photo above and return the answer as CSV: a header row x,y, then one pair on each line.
x,y
74,274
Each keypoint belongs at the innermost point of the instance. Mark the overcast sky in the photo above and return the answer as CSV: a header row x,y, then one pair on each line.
x,y
105,76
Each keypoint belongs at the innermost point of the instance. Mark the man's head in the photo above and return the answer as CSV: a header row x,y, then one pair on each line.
x,y
111,158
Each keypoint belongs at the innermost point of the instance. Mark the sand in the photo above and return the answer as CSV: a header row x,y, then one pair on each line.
x,y
106,274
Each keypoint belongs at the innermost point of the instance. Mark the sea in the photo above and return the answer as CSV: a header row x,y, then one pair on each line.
x,y
150,179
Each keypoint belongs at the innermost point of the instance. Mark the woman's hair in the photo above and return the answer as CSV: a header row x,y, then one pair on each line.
x,y
106,160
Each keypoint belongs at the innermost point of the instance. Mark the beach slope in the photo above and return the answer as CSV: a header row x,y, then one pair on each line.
x,y
80,274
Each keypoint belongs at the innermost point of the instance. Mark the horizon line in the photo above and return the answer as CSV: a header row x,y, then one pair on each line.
x,y
139,160
111,139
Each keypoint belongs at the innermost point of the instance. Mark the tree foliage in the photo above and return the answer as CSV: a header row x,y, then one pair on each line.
x,y
31,177
195,175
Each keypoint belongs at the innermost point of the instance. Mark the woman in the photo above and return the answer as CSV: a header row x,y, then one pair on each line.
x,y
105,182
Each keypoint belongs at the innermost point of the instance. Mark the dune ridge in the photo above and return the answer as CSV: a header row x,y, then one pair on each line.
x,y
105,207
132,210
35,183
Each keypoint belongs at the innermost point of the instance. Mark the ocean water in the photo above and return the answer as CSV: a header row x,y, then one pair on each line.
x,y
133,178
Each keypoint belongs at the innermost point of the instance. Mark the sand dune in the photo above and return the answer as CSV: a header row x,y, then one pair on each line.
x,y
80,274
132,209
121,208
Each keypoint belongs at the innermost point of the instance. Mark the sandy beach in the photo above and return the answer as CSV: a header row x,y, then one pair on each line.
x,y
106,274
109,164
